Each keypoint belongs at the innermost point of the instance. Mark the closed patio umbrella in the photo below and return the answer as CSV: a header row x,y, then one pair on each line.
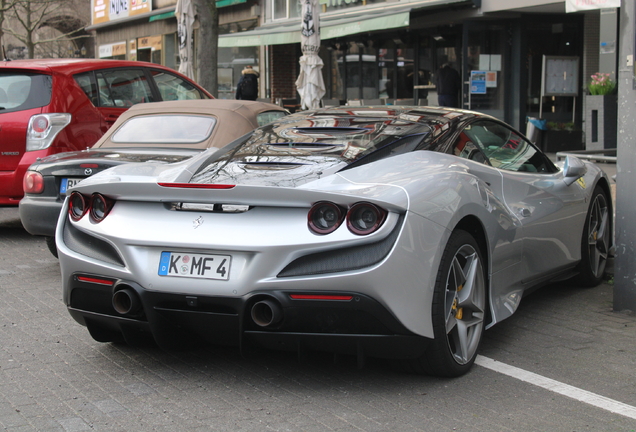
x,y
310,84
184,12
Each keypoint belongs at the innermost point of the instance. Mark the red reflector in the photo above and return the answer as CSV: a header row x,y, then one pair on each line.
x,y
196,185
95,280
89,166
319,297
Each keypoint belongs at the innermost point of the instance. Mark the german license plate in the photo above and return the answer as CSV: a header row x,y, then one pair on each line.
x,y
190,265
68,183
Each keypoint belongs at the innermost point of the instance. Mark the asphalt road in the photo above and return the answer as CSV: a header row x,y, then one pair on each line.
x,y
53,376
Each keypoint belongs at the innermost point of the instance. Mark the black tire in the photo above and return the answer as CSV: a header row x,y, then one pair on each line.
x,y
50,243
458,310
595,241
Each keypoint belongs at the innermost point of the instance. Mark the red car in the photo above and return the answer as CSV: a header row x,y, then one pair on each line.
x,y
59,105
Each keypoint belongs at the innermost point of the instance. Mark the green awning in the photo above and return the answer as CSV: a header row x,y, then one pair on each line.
x,y
290,33
162,16
348,27
223,3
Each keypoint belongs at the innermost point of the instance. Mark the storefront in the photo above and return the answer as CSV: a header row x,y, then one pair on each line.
x,y
376,51
146,30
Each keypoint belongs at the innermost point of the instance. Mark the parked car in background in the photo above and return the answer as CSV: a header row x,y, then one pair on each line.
x,y
58,105
161,132
398,232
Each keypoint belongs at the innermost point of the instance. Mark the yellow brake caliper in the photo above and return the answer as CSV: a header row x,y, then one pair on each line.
x,y
459,312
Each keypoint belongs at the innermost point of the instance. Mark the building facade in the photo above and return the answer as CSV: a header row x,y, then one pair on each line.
x,y
379,51
376,50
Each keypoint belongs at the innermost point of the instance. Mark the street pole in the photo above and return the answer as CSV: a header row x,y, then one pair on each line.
x,y
625,261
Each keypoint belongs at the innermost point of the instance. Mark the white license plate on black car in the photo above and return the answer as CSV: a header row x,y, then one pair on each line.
x,y
190,265
68,183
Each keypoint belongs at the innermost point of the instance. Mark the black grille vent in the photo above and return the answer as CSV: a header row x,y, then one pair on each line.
x,y
92,247
352,258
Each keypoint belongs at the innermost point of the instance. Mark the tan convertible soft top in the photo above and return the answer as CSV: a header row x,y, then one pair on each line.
x,y
234,119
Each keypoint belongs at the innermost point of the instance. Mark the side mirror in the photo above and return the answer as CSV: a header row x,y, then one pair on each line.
x,y
573,169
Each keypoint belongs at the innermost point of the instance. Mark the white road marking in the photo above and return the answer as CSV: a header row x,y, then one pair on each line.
x,y
578,394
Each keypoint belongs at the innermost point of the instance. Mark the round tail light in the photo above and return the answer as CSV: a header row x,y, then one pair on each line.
x,y
365,218
77,206
40,124
33,182
100,206
324,218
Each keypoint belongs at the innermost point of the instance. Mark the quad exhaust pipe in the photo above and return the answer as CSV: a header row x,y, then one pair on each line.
x,y
126,301
267,313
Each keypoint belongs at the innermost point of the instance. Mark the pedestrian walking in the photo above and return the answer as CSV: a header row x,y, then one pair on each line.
x,y
247,88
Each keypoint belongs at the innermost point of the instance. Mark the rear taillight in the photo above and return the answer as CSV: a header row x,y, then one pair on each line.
x,y
324,218
33,182
362,218
365,218
43,128
77,206
98,206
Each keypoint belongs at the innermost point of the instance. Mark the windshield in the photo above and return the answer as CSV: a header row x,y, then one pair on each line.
x,y
165,129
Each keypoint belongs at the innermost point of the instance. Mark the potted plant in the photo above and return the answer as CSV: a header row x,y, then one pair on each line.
x,y
562,136
601,84
601,112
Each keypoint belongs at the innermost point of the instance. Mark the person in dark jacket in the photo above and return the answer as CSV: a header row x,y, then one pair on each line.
x,y
247,87
448,86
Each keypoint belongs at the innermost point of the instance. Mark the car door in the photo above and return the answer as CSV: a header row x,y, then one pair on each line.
x,y
550,212
506,267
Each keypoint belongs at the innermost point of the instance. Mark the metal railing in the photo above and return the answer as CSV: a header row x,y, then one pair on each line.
x,y
605,155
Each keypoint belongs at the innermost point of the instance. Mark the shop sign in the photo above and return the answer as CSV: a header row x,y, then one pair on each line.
x,y
328,5
153,42
583,5
478,82
112,10
112,50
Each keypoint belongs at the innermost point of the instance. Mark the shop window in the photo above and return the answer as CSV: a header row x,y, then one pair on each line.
x,y
171,51
485,52
149,49
231,63
359,67
553,38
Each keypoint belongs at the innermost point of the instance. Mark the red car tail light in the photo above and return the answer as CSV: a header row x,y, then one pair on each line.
x,y
40,124
324,218
320,297
100,207
43,128
33,182
365,218
77,206
197,185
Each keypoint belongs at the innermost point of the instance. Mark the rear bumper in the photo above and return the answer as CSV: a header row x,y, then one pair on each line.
x,y
359,325
39,214
11,191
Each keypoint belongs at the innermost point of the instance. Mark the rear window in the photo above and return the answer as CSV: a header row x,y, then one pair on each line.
x,y
20,91
269,116
165,129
